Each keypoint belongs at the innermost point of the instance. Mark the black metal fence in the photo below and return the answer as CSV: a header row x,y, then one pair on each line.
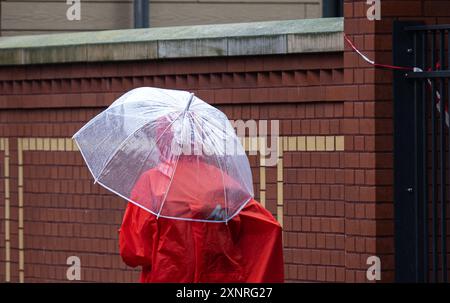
x,y
421,151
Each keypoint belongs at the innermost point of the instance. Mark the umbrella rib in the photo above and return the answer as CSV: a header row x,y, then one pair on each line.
x,y
156,142
224,190
238,170
123,143
174,170
223,178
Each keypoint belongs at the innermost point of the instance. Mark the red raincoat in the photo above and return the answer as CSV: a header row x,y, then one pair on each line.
x,y
247,249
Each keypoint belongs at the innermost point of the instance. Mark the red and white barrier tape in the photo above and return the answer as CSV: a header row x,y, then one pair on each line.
x,y
405,68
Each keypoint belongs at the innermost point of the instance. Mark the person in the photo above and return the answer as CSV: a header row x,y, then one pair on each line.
x,y
247,248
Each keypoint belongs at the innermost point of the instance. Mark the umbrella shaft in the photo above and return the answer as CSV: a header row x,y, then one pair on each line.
x,y
189,102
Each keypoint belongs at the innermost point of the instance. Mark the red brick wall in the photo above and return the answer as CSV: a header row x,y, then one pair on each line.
x,y
66,214
367,128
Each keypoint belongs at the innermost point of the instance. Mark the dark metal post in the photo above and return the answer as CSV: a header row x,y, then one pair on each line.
x,y
443,164
448,107
141,13
420,159
406,184
425,164
332,8
433,165
416,168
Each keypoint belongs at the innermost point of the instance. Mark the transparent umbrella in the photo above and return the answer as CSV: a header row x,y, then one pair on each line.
x,y
170,153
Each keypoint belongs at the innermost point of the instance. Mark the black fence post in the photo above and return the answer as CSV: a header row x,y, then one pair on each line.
x,y
408,154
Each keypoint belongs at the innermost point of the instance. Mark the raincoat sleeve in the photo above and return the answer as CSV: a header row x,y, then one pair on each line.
x,y
137,230
260,239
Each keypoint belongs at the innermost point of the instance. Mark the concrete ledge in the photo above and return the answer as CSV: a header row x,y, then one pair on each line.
x,y
238,39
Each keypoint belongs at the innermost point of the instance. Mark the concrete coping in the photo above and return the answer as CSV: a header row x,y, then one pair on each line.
x,y
237,39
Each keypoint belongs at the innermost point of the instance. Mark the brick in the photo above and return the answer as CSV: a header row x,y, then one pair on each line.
x,y
341,93
348,9
401,9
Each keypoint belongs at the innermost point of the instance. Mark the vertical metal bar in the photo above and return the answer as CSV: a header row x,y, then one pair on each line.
x,y
417,167
141,13
340,8
137,14
145,14
404,156
448,109
433,164
443,165
332,8
425,163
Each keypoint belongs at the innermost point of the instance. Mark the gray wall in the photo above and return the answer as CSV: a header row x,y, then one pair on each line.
x,y
20,17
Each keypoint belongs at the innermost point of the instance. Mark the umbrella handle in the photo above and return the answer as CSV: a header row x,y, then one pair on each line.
x,y
189,102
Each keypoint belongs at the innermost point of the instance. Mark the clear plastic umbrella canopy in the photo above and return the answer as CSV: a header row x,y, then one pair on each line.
x,y
170,153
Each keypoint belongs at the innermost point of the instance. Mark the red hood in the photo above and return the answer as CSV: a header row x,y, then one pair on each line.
x,y
196,190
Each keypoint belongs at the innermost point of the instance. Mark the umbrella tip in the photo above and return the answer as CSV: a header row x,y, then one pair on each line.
x,y
191,98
